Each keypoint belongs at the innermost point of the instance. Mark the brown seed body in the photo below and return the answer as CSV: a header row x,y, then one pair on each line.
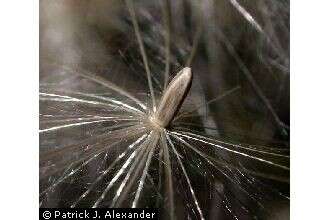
x,y
172,98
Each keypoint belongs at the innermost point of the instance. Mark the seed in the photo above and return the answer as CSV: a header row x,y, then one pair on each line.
x,y
172,98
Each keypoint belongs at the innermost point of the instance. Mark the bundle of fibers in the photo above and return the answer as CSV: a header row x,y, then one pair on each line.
x,y
180,105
